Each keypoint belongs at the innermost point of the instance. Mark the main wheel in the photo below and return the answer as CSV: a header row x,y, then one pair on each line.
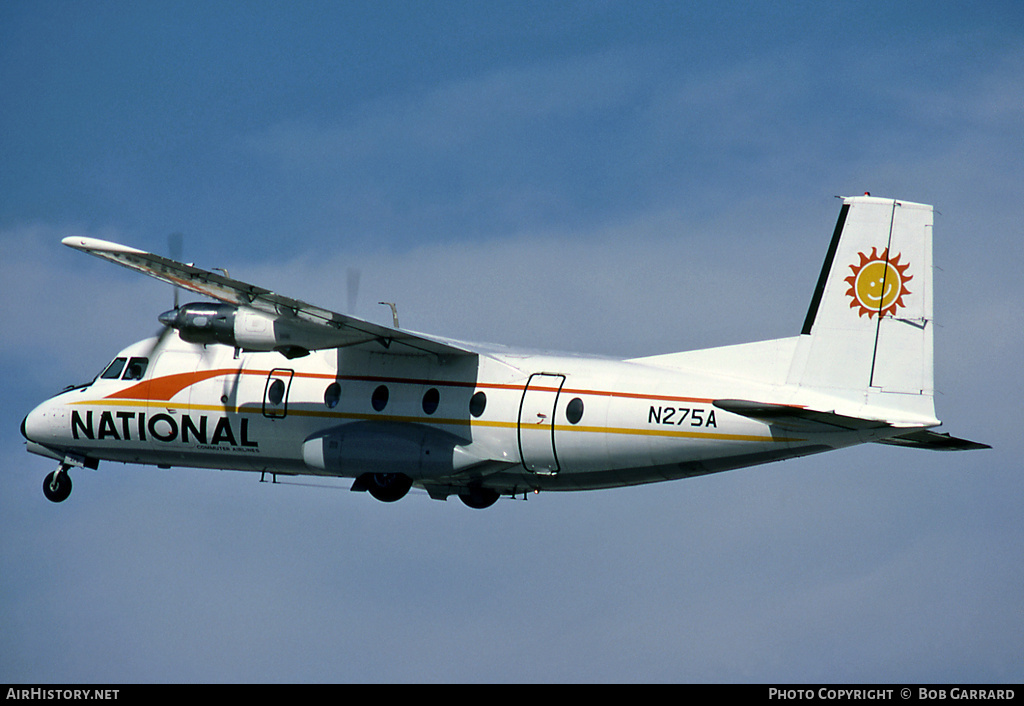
x,y
479,498
389,487
57,486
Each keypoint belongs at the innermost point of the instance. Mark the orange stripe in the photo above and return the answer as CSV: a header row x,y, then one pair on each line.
x,y
166,387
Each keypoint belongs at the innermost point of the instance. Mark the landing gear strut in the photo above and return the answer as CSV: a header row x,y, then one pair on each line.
x,y
57,485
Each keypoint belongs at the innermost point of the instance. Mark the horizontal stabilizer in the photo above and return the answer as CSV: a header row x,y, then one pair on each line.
x,y
798,418
811,421
926,439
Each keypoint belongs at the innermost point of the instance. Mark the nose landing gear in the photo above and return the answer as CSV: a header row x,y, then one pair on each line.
x,y
57,485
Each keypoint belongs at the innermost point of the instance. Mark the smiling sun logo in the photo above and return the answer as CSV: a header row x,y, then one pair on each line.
x,y
878,284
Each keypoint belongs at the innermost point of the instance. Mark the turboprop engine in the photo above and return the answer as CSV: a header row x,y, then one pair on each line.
x,y
247,329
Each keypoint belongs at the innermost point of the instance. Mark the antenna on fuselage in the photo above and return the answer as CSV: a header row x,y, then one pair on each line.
x,y
394,311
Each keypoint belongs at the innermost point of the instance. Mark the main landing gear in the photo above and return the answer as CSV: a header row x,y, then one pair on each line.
x,y
57,485
479,498
386,487
391,487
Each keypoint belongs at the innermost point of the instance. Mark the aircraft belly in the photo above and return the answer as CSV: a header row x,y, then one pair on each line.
x,y
597,479
190,458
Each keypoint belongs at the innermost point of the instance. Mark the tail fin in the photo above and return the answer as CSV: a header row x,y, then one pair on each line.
x,y
868,333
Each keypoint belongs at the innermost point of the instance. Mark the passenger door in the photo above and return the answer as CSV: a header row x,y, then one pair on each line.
x,y
537,423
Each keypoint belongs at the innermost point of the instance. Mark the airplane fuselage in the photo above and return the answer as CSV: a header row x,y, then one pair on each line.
x,y
518,422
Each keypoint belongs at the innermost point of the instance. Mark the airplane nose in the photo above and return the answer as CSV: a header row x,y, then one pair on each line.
x,y
30,425
41,424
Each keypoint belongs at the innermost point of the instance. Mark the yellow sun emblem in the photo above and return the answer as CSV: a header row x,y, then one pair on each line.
x,y
878,284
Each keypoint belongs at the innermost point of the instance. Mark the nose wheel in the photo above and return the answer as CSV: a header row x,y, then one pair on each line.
x,y
57,485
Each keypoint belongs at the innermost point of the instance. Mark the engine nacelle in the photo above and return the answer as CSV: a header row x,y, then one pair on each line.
x,y
203,323
247,329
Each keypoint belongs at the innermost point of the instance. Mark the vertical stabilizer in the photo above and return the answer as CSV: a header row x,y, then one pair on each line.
x,y
868,332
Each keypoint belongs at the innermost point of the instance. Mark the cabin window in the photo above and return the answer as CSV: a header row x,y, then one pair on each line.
x,y
379,400
332,395
431,399
113,371
574,411
275,393
477,404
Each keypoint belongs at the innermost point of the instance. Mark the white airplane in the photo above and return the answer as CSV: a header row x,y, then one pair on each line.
x,y
256,381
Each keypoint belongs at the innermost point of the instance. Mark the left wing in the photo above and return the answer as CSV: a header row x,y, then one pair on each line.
x,y
332,330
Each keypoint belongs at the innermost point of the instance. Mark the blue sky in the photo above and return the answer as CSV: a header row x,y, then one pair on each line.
x,y
618,178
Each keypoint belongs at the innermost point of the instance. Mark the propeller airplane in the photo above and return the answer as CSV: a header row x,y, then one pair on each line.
x,y
260,382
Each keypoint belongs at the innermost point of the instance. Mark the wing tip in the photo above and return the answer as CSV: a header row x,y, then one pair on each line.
x,y
933,441
85,244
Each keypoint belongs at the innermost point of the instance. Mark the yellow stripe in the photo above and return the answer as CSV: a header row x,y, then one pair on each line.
x,y
668,433
718,436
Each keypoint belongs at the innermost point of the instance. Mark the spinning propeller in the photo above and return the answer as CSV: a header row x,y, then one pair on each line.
x,y
175,247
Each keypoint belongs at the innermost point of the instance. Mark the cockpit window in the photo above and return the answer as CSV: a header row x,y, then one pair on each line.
x,y
136,369
113,371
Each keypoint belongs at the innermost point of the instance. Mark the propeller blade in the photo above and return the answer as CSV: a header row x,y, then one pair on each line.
x,y
174,251
353,289
161,338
